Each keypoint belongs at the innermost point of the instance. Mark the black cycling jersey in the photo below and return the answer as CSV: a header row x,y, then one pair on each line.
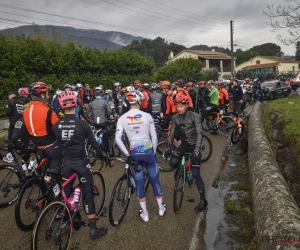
x,y
72,132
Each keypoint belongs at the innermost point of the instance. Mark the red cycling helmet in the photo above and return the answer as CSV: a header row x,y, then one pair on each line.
x,y
123,89
67,99
183,99
189,84
136,82
23,91
38,88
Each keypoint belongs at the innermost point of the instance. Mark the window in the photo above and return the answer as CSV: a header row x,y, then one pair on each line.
x,y
258,62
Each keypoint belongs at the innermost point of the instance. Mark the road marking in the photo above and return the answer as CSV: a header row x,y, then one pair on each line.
x,y
196,231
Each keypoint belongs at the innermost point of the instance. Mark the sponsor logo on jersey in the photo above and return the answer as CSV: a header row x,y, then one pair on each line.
x,y
136,118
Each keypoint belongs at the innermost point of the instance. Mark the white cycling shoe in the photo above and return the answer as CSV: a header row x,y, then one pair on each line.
x,y
162,211
144,217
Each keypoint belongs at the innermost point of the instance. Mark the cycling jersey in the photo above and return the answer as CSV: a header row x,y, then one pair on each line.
x,y
223,97
39,120
100,110
72,133
137,125
146,102
171,107
86,96
214,96
156,98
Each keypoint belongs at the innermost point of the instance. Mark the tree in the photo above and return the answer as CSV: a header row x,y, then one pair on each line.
x,y
182,68
297,56
285,17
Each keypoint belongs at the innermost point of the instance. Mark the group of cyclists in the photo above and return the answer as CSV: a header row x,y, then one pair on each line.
x,y
60,132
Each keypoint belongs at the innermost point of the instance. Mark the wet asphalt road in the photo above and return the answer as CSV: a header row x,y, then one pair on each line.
x,y
172,231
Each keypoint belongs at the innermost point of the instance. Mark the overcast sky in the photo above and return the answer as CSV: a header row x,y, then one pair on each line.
x,y
186,22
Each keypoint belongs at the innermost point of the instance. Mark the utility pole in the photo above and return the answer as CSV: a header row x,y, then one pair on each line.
x,y
231,42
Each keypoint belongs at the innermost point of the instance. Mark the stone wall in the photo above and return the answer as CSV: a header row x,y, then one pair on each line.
x,y
3,125
277,217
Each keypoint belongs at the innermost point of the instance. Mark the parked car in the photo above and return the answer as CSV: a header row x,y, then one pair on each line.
x,y
274,89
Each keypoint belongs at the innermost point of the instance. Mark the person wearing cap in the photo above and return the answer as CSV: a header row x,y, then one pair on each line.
x,y
100,110
86,95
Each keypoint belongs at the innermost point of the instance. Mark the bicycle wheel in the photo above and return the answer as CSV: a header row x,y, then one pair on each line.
x,y
29,204
226,125
237,133
53,228
206,148
98,192
178,190
119,201
11,181
205,125
163,164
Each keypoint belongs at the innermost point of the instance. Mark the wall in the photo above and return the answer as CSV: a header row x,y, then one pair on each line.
x,y
184,55
288,67
3,125
252,61
275,211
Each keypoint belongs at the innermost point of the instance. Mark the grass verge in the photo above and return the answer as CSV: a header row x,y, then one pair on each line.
x,y
238,207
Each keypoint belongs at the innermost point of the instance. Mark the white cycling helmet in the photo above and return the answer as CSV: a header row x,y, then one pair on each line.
x,y
108,91
117,84
134,97
129,88
79,85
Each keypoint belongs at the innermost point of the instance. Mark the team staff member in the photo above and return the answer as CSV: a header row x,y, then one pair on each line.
x,y
39,120
237,97
186,124
72,132
138,125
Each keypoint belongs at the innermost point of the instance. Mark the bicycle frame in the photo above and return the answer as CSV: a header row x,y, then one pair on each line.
x,y
186,176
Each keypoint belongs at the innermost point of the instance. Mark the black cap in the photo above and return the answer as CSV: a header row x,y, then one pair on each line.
x,y
10,93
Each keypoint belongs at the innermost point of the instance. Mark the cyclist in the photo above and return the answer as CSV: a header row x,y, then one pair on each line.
x,y
193,94
39,120
186,125
100,110
23,93
213,106
157,100
14,110
55,103
126,104
257,88
180,89
117,96
72,134
146,102
223,97
138,125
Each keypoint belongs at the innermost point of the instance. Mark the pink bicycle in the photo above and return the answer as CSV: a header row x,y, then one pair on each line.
x,y
53,227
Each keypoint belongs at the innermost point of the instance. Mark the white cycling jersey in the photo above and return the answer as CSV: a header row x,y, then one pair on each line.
x,y
139,127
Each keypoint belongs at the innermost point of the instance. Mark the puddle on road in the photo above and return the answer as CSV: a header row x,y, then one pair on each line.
x,y
215,236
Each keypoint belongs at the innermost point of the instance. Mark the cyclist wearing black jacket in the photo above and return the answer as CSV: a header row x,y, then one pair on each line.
x,y
72,132
186,124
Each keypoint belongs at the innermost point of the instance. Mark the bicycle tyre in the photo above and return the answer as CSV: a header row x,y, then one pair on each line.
x,y
98,192
226,125
47,216
118,196
235,136
25,204
178,190
205,125
163,164
10,180
207,148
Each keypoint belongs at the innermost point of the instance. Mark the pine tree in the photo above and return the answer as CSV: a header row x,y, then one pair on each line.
x,y
297,56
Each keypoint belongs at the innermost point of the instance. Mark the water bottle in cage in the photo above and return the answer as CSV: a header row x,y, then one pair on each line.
x,y
99,138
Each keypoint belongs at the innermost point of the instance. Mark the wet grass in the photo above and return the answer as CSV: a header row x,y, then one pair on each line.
x,y
238,207
288,120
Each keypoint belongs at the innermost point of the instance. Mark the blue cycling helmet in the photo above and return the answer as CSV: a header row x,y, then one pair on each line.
x,y
154,85
98,91
117,84
68,86
255,79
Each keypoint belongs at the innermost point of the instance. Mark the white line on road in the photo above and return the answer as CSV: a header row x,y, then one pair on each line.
x,y
196,231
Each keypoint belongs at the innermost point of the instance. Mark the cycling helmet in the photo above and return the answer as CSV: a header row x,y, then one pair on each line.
x,y
166,83
23,91
117,84
37,88
72,87
166,86
160,83
108,91
231,78
189,84
134,97
67,99
146,85
98,91
136,82
129,88
58,92
154,85
78,85
68,86
123,89
255,79
183,99
140,85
